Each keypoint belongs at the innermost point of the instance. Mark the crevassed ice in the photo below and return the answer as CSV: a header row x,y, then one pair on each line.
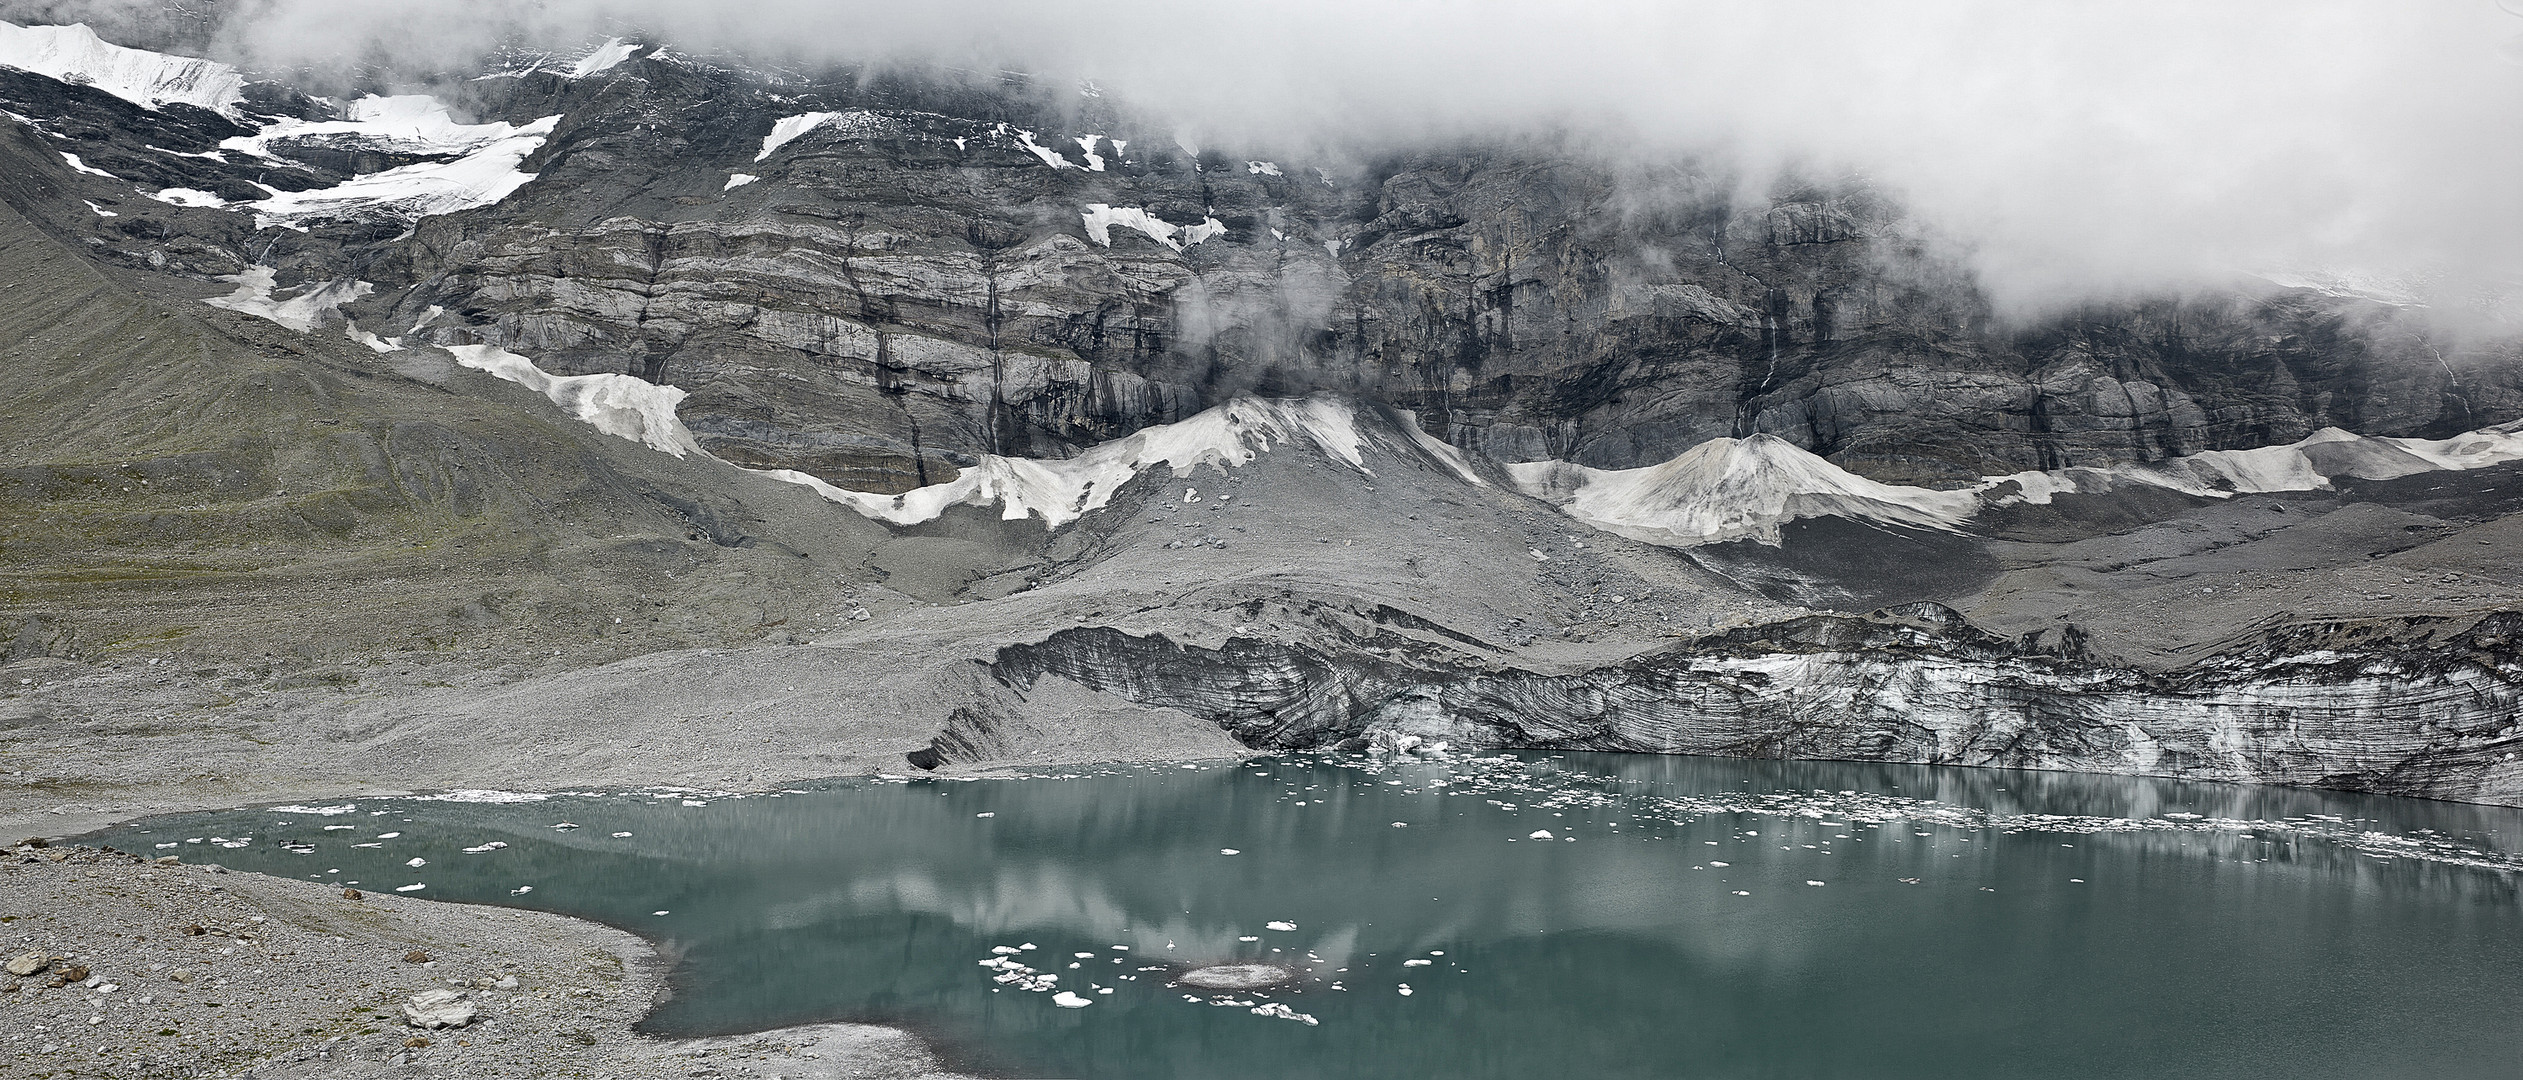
x,y
74,54
403,124
479,178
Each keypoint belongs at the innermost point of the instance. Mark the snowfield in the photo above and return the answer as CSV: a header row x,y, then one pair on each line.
x,y
74,54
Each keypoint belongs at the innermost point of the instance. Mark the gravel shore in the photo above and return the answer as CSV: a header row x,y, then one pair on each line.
x,y
123,967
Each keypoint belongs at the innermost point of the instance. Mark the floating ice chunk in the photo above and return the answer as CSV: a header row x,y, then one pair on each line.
x,y
608,55
1713,862
521,890
1816,883
1067,1000
987,813
1540,834
618,405
413,887
83,168
481,795
1279,925
480,848
1417,963
320,811
737,180
74,54
657,913
1404,988
621,835
1005,950
1229,851
417,862
388,835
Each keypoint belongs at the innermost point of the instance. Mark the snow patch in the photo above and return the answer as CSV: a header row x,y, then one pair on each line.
x,y
1047,155
607,56
787,129
100,211
618,405
737,180
195,197
1062,491
85,169
1094,161
74,54
1100,219
1263,168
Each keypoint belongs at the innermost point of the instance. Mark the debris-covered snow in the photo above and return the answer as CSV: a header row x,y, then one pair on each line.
x,y
1061,491
1730,489
74,54
606,57
301,313
1100,219
1726,489
620,405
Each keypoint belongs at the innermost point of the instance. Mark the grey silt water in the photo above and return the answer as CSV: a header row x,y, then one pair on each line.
x,y
1578,915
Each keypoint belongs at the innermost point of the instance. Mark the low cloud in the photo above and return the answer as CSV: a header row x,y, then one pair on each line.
x,y
2073,148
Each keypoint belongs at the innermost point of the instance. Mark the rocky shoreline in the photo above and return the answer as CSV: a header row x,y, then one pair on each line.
x,y
136,968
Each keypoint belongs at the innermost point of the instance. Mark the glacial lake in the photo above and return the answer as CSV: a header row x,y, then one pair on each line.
x,y
1575,915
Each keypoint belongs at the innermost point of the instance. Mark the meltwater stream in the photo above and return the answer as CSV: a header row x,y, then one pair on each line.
x,y
1517,916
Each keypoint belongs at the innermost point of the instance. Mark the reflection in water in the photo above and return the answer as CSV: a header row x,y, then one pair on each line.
x,y
1588,915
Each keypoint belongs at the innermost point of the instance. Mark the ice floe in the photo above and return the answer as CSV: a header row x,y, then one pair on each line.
x,y
74,54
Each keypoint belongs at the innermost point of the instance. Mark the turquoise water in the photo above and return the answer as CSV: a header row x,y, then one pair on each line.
x,y
1686,917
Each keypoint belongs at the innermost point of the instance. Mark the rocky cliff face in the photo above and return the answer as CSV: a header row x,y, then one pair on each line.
x,y
887,283
917,278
